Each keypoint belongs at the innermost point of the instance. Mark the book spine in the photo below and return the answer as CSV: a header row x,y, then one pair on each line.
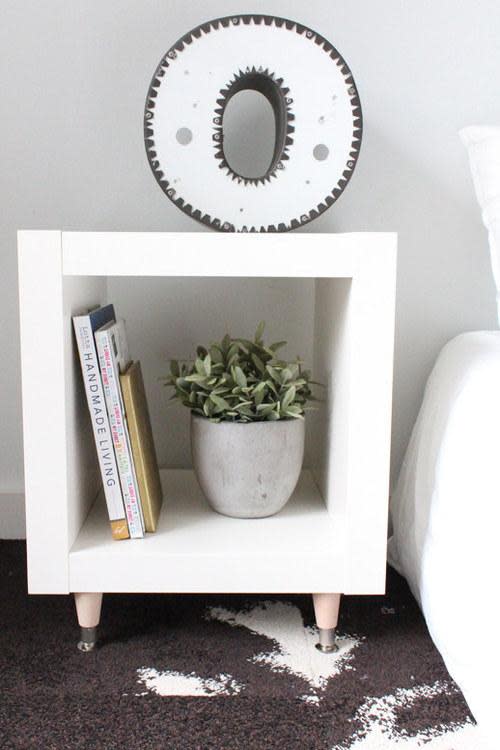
x,y
101,427
119,434
142,443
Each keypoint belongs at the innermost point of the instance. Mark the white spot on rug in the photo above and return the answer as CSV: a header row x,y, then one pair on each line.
x,y
177,683
463,738
378,717
294,652
295,649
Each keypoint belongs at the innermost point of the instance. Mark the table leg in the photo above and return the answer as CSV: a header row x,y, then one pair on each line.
x,y
326,609
88,610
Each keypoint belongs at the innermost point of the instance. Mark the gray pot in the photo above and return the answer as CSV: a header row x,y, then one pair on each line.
x,y
247,470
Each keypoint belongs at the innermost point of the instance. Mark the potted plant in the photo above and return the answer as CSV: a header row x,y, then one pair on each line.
x,y
247,423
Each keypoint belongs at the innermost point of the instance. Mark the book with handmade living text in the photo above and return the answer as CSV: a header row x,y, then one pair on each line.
x,y
143,449
113,356
84,326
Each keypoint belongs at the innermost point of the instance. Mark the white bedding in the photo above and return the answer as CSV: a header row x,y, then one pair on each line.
x,y
446,520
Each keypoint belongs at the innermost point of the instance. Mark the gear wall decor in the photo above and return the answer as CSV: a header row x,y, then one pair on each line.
x,y
318,123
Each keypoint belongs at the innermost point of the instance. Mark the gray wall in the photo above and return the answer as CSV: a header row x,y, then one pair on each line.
x,y
74,80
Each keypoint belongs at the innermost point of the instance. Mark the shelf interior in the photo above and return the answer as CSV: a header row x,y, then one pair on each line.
x,y
196,549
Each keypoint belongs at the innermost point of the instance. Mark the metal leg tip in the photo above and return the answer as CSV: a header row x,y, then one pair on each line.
x,y
327,643
88,639
85,647
327,649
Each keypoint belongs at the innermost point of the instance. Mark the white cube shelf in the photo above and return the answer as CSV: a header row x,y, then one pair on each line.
x,y
331,537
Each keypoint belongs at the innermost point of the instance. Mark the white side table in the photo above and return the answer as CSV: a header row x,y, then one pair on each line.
x,y
330,538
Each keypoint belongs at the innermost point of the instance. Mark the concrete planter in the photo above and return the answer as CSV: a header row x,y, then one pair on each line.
x,y
247,470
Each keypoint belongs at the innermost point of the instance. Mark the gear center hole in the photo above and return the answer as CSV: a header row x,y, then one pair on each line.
x,y
249,134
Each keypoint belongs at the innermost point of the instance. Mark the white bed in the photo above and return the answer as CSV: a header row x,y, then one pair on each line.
x,y
445,508
445,515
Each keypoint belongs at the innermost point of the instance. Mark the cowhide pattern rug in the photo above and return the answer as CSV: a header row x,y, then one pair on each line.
x,y
224,672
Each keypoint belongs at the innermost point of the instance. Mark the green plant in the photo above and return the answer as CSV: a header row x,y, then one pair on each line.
x,y
238,380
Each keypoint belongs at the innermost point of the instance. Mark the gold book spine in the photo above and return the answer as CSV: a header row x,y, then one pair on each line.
x,y
143,450
119,529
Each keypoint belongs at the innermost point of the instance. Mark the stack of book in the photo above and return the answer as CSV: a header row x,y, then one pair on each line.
x,y
120,422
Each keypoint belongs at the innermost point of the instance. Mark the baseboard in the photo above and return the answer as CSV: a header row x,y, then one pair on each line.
x,y
12,515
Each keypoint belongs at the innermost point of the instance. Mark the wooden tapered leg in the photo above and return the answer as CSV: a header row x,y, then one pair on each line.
x,y
88,610
326,610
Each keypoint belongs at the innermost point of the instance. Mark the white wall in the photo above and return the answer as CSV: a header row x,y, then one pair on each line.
x,y
75,76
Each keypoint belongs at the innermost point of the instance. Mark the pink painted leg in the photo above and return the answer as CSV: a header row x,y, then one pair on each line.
x,y
88,610
326,609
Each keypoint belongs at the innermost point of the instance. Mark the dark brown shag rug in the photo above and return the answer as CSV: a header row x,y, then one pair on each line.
x,y
224,672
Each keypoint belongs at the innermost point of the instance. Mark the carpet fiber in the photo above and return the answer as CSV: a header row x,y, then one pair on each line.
x,y
224,672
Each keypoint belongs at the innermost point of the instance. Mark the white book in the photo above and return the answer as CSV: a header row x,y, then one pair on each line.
x,y
84,326
113,356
